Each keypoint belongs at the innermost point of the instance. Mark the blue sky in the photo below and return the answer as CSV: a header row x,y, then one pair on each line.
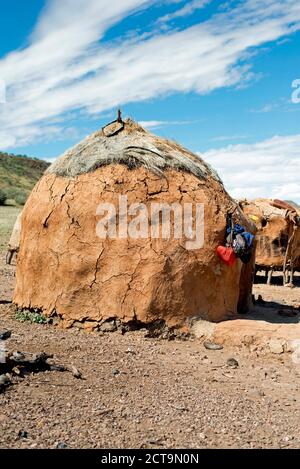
x,y
214,75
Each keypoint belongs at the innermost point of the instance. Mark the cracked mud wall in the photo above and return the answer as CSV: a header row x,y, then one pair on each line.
x,y
274,231
64,268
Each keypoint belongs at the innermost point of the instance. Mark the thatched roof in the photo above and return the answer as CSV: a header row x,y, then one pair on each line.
x,y
130,144
269,208
265,207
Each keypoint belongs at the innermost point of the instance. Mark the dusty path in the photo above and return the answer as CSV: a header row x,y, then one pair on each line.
x,y
148,393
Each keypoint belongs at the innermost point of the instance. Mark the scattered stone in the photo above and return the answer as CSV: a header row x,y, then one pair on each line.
x,y
248,340
61,445
58,368
232,362
115,372
16,370
4,381
22,434
18,356
76,373
54,321
130,350
212,346
181,408
292,345
276,346
108,326
296,356
157,441
200,328
4,335
21,364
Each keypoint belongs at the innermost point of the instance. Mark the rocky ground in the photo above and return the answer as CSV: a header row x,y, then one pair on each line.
x,y
139,392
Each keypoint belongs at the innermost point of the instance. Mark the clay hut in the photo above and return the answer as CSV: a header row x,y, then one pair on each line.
x,y
70,268
14,241
278,236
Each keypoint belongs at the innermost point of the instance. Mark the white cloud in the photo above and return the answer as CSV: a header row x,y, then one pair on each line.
x,y
156,124
186,10
153,124
67,68
270,168
223,138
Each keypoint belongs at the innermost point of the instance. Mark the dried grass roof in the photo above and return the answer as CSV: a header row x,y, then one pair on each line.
x,y
129,144
265,207
267,210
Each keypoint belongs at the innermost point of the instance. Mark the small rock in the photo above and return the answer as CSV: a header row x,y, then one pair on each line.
x,y
75,372
61,445
4,380
232,362
181,408
57,368
154,441
18,356
4,335
130,350
212,346
296,356
22,434
115,372
108,326
54,321
292,345
248,340
276,346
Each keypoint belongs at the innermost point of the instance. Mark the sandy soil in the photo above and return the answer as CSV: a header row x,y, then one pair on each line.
x,y
139,392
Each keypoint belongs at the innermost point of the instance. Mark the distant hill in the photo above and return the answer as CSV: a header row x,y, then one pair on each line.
x,y
19,174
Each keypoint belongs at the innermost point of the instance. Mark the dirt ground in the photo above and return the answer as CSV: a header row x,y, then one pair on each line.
x,y
140,392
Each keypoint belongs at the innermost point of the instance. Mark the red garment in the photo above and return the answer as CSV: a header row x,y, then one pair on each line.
x,y
226,254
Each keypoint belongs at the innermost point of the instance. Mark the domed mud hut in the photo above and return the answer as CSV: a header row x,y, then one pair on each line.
x,y
70,268
278,236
